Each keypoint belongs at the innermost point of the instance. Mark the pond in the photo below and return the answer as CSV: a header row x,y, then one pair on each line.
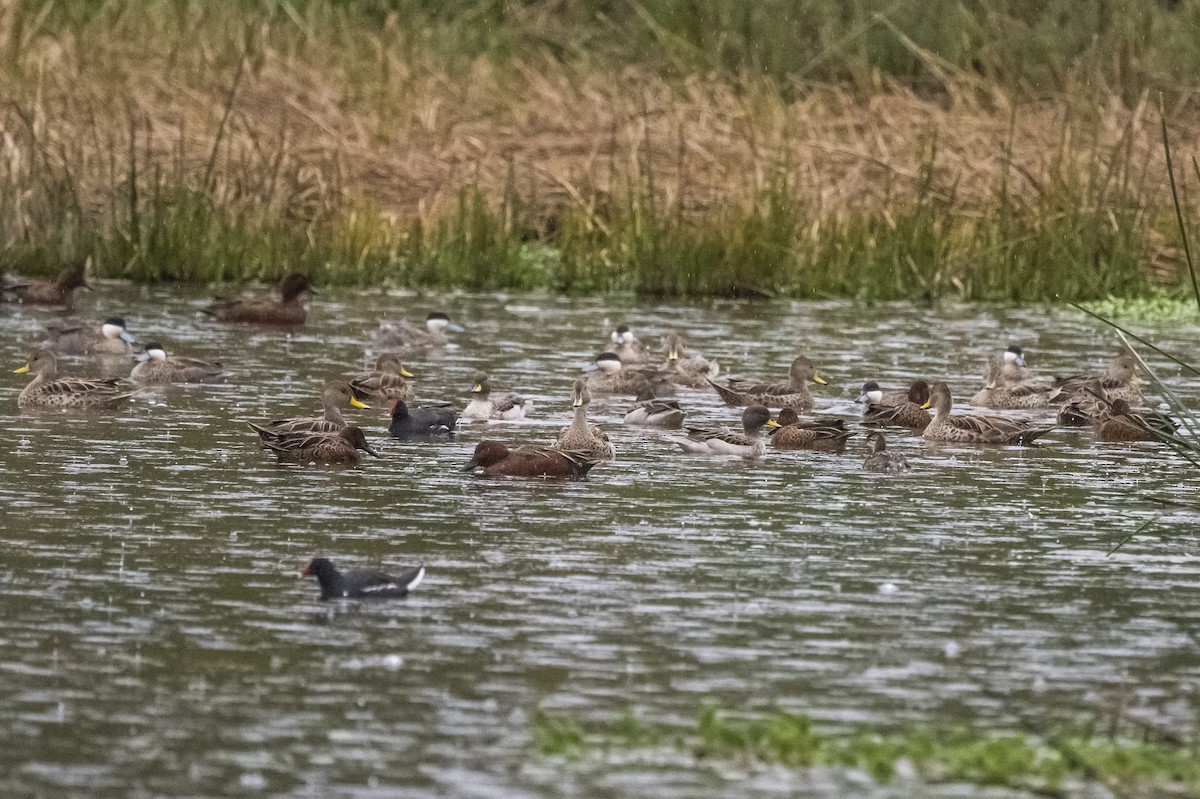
x,y
157,640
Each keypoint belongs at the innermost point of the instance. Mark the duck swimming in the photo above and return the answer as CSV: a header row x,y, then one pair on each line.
x,y
155,367
320,449
389,380
880,459
355,584
823,436
288,310
109,338
581,437
335,397
747,444
421,422
485,405
47,390
497,460
793,393
402,333
684,368
33,291
974,429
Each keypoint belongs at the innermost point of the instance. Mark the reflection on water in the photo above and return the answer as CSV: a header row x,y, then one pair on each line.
x,y
157,641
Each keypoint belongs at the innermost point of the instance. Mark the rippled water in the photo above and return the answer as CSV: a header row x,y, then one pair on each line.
x,y
156,640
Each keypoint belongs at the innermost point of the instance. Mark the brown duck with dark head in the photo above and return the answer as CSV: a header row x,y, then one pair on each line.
x,y
287,310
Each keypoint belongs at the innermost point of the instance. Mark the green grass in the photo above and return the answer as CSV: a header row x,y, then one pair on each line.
x,y
991,758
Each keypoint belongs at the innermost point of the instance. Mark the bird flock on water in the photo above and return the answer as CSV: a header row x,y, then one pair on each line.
x,y
1109,402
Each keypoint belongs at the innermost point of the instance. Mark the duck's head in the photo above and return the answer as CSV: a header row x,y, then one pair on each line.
x,y
438,322
876,443
153,352
41,362
802,369
755,417
357,439
390,362
487,453
580,396
114,327
918,392
341,395
786,417
480,384
293,285
1119,408
1014,354
73,276
320,568
608,363
674,346
871,392
939,399
1124,369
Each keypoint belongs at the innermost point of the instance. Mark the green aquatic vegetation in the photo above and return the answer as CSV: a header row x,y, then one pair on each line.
x,y
1157,307
978,757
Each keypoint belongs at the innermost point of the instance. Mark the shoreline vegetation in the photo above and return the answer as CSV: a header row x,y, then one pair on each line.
x,y
787,148
1132,758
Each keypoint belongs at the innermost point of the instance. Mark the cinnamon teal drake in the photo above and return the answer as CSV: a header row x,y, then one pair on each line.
x,y
389,380
486,405
156,367
793,394
335,397
880,459
497,460
287,310
108,338
320,449
355,584
48,390
686,368
974,429
581,437
57,293
822,436
747,444
402,333
421,422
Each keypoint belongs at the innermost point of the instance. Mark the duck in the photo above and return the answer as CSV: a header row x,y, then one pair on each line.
x,y
823,436
402,333
625,345
651,410
793,393
1120,423
879,458
496,459
908,414
1120,382
355,584
107,338
322,449
999,394
155,367
872,394
57,293
485,405
1012,368
974,429
747,444
421,422
47,390
335,397
610,375
288,310
389,380
684,368
581,437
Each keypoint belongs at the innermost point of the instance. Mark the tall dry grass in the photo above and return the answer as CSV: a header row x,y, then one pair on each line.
x,y
191,141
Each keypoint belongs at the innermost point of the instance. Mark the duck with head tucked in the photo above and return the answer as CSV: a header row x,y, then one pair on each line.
x,y
403,333
388,381
48,390
486,405
320,449
335,397
686,368
880,458
822,436
1001,394
581,437
57,293
497,460
747,444
286,311
650,409
156,367
792,394
975,429
1118,422
108,338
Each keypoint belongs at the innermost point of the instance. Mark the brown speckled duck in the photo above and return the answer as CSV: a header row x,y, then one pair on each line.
x,y
287,311
32,291
880,459
746,444
389,380
974,429
1119,423
320,449
335,397
47,390
156,367
823,436
792,394
685,368
1121,381
1000,394
581,437
908,414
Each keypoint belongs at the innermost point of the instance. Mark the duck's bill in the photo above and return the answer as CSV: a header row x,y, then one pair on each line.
x,y
819,380
588,367
405,373
306,571
22,370
355,402
773,423
471,464
477,388
864,397
927,404
371,452
455,328
127,337
142,356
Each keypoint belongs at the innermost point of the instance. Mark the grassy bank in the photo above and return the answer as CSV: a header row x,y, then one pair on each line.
x,y
661,147
1141,764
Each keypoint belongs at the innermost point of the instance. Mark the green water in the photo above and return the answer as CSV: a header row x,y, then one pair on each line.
x,y
157,641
